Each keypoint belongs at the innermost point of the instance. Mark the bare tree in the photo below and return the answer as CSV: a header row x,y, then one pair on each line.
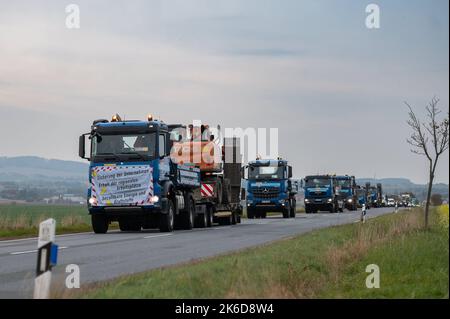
x,y
429,138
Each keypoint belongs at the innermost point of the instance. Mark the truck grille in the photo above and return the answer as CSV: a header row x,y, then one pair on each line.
x,y
265,192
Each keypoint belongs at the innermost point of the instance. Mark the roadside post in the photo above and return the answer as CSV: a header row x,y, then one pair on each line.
x,y
363,213
47,257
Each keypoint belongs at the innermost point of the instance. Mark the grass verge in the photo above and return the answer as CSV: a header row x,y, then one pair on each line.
x,y
20,221
327,263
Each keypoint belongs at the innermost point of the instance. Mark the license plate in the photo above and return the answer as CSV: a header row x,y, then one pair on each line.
x,y
265,201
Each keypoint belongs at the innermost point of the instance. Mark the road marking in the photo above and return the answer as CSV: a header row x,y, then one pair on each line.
x,y
32,251
57,236
154,236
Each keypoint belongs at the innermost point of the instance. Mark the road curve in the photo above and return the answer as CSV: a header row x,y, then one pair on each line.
x,y
102,257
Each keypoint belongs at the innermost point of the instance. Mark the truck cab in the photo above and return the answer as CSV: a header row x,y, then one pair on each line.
x,y
132,179
321,194
346,190
270,188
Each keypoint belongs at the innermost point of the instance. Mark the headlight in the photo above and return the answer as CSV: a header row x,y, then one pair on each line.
x,y
329,200
93,201
350,200
306,200
154,199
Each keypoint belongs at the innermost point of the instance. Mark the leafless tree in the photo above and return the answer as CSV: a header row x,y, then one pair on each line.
x,y
429,138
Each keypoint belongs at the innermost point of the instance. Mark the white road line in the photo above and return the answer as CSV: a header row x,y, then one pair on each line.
x,y
154,236
57,236
32,251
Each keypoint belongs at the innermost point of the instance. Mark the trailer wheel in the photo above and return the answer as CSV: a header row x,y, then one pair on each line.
x,y
187,217
210,213
233,218
167,220
100,224
202,220
225,221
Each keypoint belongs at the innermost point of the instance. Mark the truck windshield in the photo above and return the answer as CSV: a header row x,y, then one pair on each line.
x,y
317,182
266,172
344,183
143,145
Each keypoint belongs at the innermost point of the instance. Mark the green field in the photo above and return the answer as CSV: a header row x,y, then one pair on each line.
x,y
23,220
327,263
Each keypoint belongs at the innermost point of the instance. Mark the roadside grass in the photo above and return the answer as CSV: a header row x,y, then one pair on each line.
x,y
327,263
18,221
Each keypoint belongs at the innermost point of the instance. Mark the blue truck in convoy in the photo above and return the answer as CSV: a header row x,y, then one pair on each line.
x,y
270,188
321,194
346,191
133,180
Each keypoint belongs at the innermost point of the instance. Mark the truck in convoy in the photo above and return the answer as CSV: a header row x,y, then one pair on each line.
x,y
362,195
321,194
347,191
134,181
375,195
219,197
270,188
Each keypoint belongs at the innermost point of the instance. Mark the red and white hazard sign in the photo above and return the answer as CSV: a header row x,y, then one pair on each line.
x,y
207,190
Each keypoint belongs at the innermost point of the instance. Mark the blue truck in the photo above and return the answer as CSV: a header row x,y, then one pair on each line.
x,y
375,195
362,196
347,191
133,180
270,188
321,194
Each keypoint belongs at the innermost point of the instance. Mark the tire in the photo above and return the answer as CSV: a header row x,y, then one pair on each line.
x,y
293,209
263,215
250,214
210,213
100,224
286,212
233,218
238,218
167,220
202,220
187,217
225,221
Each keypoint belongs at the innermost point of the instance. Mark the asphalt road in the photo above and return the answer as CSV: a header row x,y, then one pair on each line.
x,y
102,257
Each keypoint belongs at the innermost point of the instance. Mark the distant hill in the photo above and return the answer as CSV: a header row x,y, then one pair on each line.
x,y
33,168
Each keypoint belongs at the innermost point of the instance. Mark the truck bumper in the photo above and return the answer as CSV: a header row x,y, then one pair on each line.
x,y
118,211
319,206
266,207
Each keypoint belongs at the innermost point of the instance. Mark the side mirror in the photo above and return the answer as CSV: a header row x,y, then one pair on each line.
x,y
289,171
82,146
243,172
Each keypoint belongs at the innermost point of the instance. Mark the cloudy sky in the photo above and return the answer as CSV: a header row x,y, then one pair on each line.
x,y
332,87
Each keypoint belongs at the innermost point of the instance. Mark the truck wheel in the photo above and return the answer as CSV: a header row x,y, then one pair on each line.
x,y
167,220
187,217
264,215
210,213
202,220
225,221
293,209
286,212
250,213
99,224
233,218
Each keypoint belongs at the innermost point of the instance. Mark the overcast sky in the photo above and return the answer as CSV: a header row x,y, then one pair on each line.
x,y
334,88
